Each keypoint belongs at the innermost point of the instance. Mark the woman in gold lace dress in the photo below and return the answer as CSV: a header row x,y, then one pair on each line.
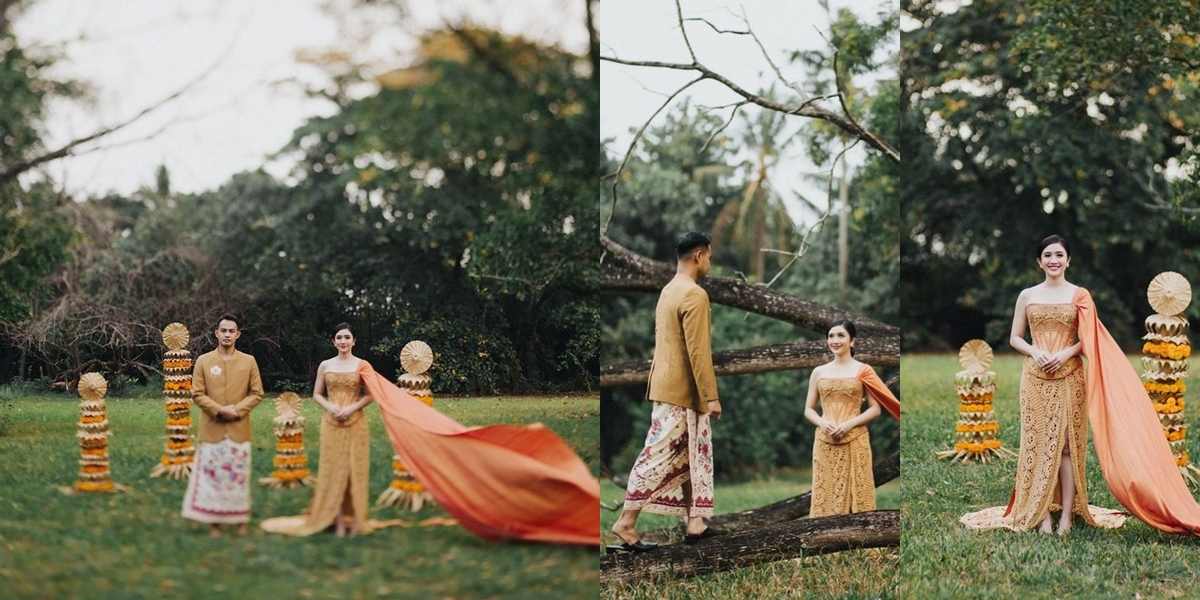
x,y
1050,467
842,478
340,496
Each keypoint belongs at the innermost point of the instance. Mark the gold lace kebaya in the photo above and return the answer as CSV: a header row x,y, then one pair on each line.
x,y
343,468
1053,417
842,478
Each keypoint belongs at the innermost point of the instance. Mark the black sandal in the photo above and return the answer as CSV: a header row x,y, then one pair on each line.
x,y
703,535
627,548
639,547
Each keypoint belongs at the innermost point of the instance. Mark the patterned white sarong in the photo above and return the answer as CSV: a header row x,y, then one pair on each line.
x,y
673,475
219,488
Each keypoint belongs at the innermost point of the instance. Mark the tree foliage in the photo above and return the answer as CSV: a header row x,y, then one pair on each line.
x,y
451,205
35,232
1026,120
679,180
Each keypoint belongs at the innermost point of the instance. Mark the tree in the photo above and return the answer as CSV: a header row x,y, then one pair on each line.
x,y
35,234
791,539
677,175
1004,152
463,181
450,205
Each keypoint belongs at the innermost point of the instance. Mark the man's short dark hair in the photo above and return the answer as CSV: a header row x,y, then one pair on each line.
x,y
226,317
689,242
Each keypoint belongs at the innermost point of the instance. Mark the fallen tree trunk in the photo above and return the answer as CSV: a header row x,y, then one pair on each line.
x,y
623,270
781,541
875,351
788,509
785,510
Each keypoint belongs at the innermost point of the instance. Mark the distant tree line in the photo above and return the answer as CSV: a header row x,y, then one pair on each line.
x,y
455,205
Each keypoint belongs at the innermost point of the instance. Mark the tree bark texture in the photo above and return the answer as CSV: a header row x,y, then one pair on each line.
x,y
788,509
875,351
623,270
781,541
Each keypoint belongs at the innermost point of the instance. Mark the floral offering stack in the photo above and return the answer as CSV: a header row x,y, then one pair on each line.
x,y
180,452
405,491
291,463
93,433
977,433
1165,362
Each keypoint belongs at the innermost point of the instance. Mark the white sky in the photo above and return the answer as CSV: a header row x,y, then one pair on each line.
x,y
640,30
134,53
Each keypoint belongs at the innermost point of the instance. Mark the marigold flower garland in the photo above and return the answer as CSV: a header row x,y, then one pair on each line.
x,y
976,434
180,451
93,434
405,491
291,463
1165,364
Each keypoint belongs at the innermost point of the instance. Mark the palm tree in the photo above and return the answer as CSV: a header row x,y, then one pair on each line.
x,y
759,219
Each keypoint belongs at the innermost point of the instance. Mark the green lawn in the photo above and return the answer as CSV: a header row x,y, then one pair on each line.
x,y
135,544
943,560
854,574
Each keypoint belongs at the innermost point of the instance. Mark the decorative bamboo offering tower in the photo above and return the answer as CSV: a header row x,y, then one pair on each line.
x,y
1165,362
180,453
977,433
291,463
406,492
93,434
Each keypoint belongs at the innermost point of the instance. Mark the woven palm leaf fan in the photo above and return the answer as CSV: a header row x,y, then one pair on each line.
x,y
175,336
416,357
92,387
1169,293
975,355
287,405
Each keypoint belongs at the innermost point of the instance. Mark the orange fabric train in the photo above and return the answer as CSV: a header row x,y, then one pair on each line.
x,y
879,390
498,482
1133,453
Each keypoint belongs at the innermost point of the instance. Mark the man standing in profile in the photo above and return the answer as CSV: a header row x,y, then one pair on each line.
x,y
674,474
226,385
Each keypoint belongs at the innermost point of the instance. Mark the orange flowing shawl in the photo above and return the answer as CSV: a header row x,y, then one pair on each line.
x,y
879,390
1133,453
499,482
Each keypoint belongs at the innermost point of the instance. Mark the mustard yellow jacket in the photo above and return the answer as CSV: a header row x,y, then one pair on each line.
x,y
217,383
682,370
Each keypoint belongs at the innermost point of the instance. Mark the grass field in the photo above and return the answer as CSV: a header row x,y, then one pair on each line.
x,y
854,574
135,544
943,560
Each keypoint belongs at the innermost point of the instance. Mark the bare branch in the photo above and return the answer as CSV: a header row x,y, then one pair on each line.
x,y
633,143
683,30
837,79
68,149
804,245
717,131
715,28
807,109
778,72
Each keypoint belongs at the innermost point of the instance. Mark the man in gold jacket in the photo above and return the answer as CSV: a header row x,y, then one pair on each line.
x,y
226,385
673,474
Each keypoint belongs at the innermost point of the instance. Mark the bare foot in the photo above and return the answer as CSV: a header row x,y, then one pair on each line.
x,y
242,530
1047,525
339,526
214,530
1064,525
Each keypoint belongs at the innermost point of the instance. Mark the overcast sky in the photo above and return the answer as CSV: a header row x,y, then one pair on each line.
x,y
134,53
639,30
